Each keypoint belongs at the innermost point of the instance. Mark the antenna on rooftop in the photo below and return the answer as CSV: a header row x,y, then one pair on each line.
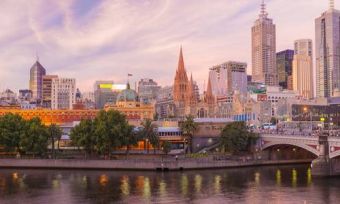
x,y
331,4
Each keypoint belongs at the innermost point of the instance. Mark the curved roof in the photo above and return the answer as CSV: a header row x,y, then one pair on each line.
x,y
128,95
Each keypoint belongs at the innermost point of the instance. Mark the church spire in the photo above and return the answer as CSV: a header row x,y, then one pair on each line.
x,y
181,67
209,94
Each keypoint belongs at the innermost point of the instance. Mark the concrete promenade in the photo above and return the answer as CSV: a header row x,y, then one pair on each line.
x,y
152,165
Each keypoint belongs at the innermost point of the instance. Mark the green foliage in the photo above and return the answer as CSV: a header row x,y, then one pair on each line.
x,y
36,137
55,133
129,137
83,135
148,132
12,129
273,120
166,147
109,129
236,138
189,127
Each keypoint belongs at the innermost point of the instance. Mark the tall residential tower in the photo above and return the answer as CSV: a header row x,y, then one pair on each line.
x,y
37,72
263,35
327,44
303,68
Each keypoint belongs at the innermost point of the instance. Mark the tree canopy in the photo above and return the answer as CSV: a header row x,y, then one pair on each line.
x,y
235,137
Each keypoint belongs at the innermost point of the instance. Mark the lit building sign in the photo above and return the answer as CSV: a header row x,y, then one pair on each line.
x,y
116,87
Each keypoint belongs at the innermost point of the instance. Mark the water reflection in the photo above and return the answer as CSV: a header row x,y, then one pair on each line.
x,y
294,178
146,188
257,178
278,177
184,185
198,183
217,184
125,186
272,184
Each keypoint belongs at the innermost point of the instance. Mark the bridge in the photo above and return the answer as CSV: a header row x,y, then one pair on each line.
x,y
323,148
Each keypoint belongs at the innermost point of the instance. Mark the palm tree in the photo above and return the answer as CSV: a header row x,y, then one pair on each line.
x,y
189,127
149,133
55,134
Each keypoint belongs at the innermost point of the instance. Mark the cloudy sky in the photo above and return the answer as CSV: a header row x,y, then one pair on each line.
x,y
105,39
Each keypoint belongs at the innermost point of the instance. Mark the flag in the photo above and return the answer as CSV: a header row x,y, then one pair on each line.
x,y
129,74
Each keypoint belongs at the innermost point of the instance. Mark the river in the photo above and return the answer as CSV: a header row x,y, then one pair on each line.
x,y
280,184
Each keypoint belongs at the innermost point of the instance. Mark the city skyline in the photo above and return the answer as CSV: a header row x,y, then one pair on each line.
x,y
89,41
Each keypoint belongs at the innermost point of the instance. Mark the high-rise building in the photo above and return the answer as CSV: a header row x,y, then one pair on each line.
x,y
106,92
148,90
263,35
327,44
37,72
284,64
303,68
228,77
63,93
47,90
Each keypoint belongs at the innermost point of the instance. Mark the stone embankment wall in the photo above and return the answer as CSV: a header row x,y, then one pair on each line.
x,y
137,164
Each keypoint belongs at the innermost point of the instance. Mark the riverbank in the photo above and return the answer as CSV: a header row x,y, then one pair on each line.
x,y
150,165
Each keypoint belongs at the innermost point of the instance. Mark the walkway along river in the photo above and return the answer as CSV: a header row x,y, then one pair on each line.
x,y
146,164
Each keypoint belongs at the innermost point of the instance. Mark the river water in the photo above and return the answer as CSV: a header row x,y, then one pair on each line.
x,y
280,184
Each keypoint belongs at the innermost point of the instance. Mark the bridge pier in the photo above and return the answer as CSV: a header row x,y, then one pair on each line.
x,y
322,166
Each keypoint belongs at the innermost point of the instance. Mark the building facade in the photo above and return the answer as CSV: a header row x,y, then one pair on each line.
x,y
263,35
63,94
148,90
327,44
47,90
128,103
106,92
228,77
284,64
37,72
303,68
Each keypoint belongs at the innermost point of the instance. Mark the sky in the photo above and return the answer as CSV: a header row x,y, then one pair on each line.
x,y
106,39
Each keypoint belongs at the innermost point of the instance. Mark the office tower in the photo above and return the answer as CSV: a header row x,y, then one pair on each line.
x,y
63,93
228,77
106,92
284,64
327,44
303,68
263,35
37,72
47,90
148,90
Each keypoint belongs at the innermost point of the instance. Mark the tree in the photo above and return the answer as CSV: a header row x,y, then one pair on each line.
x,y
55,133
149,133
109,130
189,127
12,129
129,137
236,138
36,137
83,135
273,121
166,147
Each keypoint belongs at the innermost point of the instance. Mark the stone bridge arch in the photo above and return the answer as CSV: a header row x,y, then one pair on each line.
x,y
310,149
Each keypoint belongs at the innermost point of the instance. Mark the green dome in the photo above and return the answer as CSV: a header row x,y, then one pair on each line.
x,y
127,95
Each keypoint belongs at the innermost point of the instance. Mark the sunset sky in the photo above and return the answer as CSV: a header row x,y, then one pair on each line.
x,y
105,39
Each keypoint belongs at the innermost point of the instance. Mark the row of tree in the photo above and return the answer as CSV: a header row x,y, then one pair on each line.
x,y
110,131
27,136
